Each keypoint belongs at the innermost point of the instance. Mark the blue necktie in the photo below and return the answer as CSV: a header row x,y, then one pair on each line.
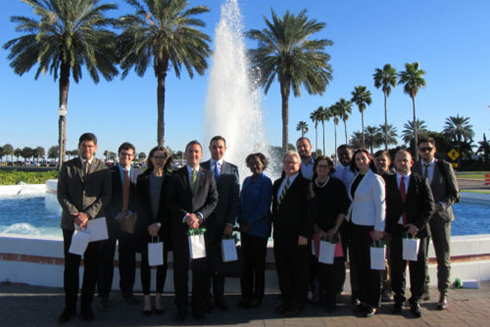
x,y
216,172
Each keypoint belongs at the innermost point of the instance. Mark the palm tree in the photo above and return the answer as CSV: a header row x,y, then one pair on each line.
x,y
458,129
287,51
385,79
484,148
389,136
374,137
303,127
68,35
356,140
408,134
413,80
315,118
163,34
361,96
17,153
38,152
325,115
8,151
344,110
335,113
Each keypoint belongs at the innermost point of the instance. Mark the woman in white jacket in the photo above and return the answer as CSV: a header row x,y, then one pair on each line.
x,y
367,214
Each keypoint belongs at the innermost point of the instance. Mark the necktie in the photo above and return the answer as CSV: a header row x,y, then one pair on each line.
x,y
86,167
193,180
216,172
125,192
284,191
426,171
403,193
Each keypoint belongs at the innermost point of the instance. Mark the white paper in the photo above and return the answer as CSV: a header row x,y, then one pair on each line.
x,y
410,248
228,250
377,258
155,254
197,247
327,252
98,229
79,242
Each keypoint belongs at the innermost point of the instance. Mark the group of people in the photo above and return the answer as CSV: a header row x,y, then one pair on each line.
x,y
352,203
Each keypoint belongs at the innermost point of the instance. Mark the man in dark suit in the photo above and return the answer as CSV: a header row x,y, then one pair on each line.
x,y
84,190
293,229
226,177
446,192
193,198
409,205
121,207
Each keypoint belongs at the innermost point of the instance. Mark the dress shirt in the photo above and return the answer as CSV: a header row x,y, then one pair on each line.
x,y
430,169
212,164
189,175
121,173
83,162
307,168
407,182
283,184
345,174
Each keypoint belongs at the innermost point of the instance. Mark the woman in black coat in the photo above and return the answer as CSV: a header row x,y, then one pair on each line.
x,y
153,222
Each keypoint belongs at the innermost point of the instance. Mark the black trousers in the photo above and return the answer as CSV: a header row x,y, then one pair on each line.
x,y
346,231
332,278
398,268
254,250
368,280
216,280
292,264
200,276
145,271
127,264
71,280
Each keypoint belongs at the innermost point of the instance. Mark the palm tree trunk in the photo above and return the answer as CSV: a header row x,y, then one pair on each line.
x,y
161,72
316,137
416,131
64,86
285,90
323,125
386,124
335,132
345,128
363,137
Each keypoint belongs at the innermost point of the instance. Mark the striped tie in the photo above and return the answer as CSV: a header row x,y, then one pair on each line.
x,y
283,193
193,180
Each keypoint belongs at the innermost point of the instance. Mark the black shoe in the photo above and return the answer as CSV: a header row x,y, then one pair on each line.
x,y
180,316
397,308
104,304
198,315
281,308
426,296
147,312
292,312
386,296
222,305
370,311
66,316
359,308
87,314
129,298
416,310
331,308
254,303
207,305
355,301
442,304
159,311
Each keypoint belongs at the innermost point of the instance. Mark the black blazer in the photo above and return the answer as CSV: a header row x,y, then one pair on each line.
x,y
229,191
292,218
418,206
183,201
145,215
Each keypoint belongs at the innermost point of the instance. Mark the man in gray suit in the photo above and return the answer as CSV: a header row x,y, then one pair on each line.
x,y
84,189
226,177
446,192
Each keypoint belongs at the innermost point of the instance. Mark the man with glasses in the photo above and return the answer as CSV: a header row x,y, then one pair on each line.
x,y
446,192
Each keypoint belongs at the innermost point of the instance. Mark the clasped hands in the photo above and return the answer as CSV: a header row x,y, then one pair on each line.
x,y
192,221
81,219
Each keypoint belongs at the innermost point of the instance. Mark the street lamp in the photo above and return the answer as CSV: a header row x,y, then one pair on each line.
x,y
62,135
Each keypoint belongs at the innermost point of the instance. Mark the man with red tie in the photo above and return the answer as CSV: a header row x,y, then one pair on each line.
x,y
409,204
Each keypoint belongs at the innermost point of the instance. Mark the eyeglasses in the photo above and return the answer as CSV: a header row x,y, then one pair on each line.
x,y
322,166
426,149
160,157
126,154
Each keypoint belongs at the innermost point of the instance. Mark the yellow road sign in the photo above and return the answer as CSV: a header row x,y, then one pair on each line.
x,y
454,164
453,154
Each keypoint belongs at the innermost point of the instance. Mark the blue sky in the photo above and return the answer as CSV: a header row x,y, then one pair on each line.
x,y
450,39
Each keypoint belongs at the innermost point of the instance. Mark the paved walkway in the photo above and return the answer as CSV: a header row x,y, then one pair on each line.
x,y
25,305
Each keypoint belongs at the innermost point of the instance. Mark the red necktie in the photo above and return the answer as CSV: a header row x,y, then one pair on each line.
x,y
125,191
403,193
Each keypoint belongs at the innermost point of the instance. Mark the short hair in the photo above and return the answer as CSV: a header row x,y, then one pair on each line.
x,y
403,151
149,164
380,153
344,146
353,166
303,138
291,153
329,161
261,157
126,146
426,139
191,143
87,137
216,138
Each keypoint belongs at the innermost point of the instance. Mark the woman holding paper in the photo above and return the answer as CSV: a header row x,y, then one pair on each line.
x,y
153,222
255,224
367,214
329,207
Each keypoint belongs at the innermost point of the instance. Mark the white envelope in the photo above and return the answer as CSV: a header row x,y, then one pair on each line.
x,y
98,229
410,248
326,252
79,242
228,250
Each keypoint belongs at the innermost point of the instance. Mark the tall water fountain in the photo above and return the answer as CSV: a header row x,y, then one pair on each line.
x,y
233,101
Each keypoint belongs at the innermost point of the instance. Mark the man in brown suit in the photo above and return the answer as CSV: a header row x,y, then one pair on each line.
x,y
84,189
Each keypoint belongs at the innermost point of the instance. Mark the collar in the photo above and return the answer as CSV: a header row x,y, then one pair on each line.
x,y
213,162
189,169
89,161
308,162
399,176
432,163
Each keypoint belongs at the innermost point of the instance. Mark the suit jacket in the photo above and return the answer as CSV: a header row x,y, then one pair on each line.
x,y
183,201
368,207
145,214
418,205
292,217
78,193
228,191
444,190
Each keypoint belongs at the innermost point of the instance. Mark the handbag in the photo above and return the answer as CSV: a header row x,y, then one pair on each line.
x,y
377,253
155,252
410,247
197,244
228,249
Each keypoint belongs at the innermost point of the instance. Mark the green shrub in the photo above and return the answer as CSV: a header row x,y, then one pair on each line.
x,y
14,177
